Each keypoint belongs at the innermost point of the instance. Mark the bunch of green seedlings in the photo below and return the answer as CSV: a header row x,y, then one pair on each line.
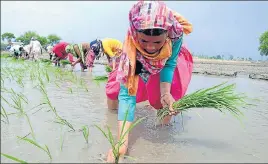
x,y
220,97
65,62
108,68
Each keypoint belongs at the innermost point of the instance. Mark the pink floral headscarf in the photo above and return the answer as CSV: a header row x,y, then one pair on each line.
x,y
147,15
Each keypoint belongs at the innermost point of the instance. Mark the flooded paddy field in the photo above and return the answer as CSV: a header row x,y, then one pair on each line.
x,y
52,105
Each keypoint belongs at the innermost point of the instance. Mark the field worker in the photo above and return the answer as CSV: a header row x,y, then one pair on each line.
x,y
26,51
16,50
61,54
155,65
80,51
111,48
35,49
49,51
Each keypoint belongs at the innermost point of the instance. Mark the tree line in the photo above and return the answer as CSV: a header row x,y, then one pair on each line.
x,y
222,57
26,38
53,38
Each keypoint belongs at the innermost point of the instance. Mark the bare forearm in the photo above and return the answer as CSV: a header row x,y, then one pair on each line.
x,y
113,64
77,61
165,88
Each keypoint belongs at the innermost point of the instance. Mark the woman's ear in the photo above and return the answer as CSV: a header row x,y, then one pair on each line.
x,y
167,38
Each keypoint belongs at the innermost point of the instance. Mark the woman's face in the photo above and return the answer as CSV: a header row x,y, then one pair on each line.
x,y
151,44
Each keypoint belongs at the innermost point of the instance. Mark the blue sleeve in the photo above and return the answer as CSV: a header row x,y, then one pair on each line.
x,y
166,74
126,102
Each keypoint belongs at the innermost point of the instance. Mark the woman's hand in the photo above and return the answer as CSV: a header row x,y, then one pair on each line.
x,y
118,52
166,98
167,101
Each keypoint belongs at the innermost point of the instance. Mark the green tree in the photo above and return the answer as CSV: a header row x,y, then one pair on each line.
x,y
218,57
263,48
7,36
52,38
20,38
43,40
26,37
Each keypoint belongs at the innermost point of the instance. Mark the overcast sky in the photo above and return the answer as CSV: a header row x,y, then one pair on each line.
x,y
219,28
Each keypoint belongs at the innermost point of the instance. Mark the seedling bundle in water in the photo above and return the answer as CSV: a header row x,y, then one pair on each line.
x,y
108,68
65,62
101,78
219,97
46,61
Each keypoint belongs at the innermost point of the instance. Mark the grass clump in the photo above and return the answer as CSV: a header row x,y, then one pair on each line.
x,y
116,145
4,115
85,131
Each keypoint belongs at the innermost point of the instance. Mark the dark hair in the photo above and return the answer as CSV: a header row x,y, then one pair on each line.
x,y
153,32
138,67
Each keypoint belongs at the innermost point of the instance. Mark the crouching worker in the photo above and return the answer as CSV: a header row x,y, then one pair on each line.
x,y
155,65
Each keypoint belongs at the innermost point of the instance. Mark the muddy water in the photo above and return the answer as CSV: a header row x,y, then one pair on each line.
x,y
201,135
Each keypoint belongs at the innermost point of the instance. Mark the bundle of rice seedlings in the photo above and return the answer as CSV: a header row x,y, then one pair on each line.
x,y
219,97
108,68
101,78
65,62
46,61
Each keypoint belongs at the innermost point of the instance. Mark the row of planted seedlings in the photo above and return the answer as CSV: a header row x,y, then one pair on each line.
x,y
221,97
39,74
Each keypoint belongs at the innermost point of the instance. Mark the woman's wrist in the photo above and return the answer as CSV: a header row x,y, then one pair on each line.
x,y
163,95
164,88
